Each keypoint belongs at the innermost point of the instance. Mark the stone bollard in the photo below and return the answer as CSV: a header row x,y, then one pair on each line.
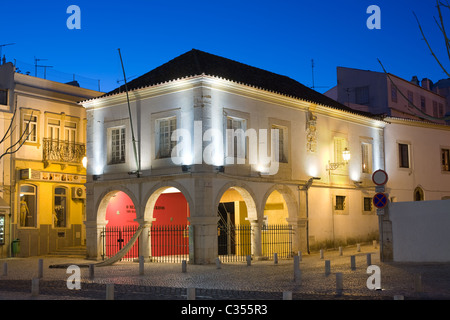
x,y
300,256
297,273
418,283
190,294
40,268
218,263
5,269
275,258
35,287
110,291
358,247
91,271
339,283
399,297
183,266
352,263
327,267
141,265
369,259
287,295
321,253
249,260
340,251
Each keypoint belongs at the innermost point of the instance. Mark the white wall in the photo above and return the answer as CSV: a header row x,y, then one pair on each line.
x,y
420,231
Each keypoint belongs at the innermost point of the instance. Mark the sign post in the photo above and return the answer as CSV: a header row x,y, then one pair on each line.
x,y
380,201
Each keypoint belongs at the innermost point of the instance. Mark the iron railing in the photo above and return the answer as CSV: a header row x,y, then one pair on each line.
x,y
114,238
234,242
277,239
63,151
168,243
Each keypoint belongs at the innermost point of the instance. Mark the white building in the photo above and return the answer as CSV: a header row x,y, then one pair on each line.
x,y
198,92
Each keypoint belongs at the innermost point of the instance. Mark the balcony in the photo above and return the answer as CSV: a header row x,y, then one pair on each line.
x,y
63,152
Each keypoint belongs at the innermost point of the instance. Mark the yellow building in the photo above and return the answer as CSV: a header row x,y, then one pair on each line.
x,y
43,181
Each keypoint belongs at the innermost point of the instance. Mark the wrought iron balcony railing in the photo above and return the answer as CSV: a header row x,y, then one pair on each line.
x,y
63,151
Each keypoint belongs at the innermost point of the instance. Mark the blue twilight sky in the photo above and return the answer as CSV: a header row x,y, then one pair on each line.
x,y
280,36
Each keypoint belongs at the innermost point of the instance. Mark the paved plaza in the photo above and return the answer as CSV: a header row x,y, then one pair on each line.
x,y
262,280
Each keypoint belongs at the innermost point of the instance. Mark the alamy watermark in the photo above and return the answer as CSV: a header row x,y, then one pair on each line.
x,y
234,149
374,21
74,20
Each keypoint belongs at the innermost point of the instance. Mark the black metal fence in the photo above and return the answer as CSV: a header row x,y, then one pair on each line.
x,y
114,238
277,239
234,242
168,243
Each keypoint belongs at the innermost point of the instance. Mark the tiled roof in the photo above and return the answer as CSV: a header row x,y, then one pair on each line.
x,y
196,62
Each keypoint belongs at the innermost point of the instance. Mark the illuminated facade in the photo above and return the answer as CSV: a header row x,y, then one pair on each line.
x,y
313,187
43,182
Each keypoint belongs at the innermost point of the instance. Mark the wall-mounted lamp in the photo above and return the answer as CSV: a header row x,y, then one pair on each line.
x,y
84,162
96,177
345,157
185,168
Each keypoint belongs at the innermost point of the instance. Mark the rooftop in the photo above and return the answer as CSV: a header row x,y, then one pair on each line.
x,y
197,63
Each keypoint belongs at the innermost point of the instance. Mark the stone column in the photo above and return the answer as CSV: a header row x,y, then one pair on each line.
x,y
144,238
205,239
94,241
299,242
256,239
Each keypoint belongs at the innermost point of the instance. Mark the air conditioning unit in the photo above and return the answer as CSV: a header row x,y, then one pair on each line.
x,y
78,193
28,174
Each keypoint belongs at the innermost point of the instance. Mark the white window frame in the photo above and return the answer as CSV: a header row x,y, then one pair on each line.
x,y
122,145
165,137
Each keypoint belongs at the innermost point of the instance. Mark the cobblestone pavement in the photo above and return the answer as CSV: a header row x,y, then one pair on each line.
x,y
263,280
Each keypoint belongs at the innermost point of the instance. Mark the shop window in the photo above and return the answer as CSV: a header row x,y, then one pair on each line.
x,y
27,206
60,207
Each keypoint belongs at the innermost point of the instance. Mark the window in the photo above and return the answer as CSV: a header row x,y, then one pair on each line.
x,y
403,154
236,141
340,144
3,97
366,157
423,104
117,145
368,204
340,203
60,207
418,194
362,95
165,129
70,131
30,127
445,156
393,93
282,143
53,129
441,110
28,207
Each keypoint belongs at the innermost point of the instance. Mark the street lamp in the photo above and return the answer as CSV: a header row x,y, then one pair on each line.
x,y
345,157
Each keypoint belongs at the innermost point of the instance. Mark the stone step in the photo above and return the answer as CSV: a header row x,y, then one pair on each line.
x,y
69,251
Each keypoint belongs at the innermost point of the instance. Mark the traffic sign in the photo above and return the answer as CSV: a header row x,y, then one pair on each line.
x,y
380,177
380,200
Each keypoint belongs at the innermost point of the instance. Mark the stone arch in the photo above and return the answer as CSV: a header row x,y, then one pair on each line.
x,y
246,193
106,196
153,194
289,199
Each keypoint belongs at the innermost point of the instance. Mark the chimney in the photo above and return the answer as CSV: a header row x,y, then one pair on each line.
x,y
415,80
427,84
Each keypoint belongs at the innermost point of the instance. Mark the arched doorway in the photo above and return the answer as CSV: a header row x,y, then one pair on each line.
x,y
121,224
418,194
168,210
276,233
236,210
